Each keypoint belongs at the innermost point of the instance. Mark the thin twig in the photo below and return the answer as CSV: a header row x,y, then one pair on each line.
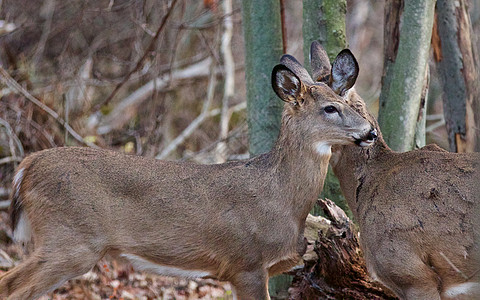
x,y
4,192
10,159
233,133
12,139
49,8
145,55
229,86
195,123
125,109
15,86
5,204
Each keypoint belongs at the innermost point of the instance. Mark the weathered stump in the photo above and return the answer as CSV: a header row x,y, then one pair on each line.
x,y
334,267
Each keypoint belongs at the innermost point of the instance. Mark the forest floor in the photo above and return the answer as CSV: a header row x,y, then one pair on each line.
x,y
110,279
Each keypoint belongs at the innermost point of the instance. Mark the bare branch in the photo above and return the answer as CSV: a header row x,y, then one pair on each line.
x,y
49,9
12,139
125,109
15,86
5,204
195,123
10,159
229,65
145,55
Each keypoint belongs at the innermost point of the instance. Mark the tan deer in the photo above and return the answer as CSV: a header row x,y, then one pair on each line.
x,y
418,211
240,221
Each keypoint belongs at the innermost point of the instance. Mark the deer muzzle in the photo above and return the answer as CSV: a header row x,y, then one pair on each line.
x,y
368,139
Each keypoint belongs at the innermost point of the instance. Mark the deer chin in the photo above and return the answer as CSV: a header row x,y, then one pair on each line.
x,y
365,143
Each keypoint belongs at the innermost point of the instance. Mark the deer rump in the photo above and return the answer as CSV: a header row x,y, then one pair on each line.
x,y
418,214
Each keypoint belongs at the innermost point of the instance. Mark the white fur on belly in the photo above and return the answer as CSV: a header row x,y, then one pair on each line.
x,y
142,264
463,289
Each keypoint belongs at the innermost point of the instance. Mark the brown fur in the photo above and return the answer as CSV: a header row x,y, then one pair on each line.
x,y
418,213
240,221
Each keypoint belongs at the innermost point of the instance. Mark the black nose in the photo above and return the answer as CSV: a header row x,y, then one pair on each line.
x,y
372,135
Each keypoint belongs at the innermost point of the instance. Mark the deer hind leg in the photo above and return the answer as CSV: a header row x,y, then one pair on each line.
x,y
44,271
407,274
251,285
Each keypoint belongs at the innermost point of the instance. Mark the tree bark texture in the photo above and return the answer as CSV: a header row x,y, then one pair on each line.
x,y
405,69
263,48
336,269
458,67
324,21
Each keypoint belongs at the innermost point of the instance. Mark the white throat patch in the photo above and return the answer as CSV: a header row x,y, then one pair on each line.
x,y
323,148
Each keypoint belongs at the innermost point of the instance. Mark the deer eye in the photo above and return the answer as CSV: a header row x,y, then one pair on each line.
x,y
330,109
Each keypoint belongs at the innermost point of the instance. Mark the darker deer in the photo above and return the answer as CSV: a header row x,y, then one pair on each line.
x,y
240,221
418,211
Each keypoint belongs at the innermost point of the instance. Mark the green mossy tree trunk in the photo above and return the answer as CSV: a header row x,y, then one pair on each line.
x,y
324,21
405,72
263,49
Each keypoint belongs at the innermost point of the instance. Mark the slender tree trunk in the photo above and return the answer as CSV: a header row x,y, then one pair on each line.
x,y
263,48
458,68
324,21
405,69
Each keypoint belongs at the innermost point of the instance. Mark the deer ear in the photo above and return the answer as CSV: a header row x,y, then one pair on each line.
x,y
287,85
319,62
344,72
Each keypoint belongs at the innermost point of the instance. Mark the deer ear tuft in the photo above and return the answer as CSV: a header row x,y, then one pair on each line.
x,y
344,72
286,84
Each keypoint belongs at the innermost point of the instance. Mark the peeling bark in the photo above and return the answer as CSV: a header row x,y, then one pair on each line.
x,y
458,68
403,81
338,270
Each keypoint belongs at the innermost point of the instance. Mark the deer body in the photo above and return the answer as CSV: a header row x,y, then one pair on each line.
x,y
418,211
239,221
418,218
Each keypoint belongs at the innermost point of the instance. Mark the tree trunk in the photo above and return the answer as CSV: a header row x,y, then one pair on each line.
x,y
405,69
458,68
324,21
263,49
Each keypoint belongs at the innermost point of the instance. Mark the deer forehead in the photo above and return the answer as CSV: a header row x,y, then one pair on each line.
x,y
323,93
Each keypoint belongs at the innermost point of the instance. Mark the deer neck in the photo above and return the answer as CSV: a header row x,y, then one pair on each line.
x,y
351,164
301,169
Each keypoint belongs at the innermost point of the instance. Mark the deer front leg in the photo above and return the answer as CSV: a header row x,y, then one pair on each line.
x,y
251,285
